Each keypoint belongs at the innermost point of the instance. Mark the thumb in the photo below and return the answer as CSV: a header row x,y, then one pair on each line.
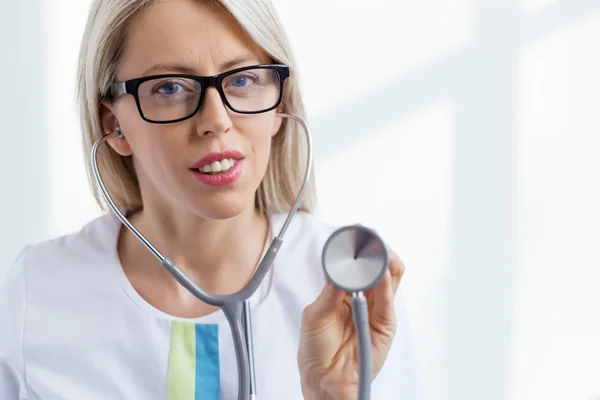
x,y
326,305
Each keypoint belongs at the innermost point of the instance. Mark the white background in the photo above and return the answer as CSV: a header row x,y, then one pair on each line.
x,y
467,132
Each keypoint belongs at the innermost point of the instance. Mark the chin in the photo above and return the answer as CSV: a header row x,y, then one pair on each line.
x,y
221,208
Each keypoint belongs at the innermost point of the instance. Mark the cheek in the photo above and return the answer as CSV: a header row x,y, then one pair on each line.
x,y
257,132
153,148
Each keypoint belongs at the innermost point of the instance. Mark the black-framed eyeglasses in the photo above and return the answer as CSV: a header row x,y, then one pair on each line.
x,y
169,98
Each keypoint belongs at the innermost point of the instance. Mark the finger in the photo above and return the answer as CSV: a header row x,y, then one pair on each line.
x,y
384,300
397,269
325,306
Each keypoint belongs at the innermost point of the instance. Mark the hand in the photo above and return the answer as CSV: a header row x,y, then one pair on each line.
x,y
327,355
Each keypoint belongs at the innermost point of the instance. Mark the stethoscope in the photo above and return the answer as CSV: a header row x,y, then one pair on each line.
x,y
354,259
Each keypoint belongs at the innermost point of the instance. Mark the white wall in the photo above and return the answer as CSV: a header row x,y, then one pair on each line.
x,y
24,159
467,133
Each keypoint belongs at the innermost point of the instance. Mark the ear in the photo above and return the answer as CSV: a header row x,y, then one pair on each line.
x,y
109,123
278,121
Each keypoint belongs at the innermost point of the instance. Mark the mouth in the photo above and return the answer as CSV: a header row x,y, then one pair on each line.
x,y
216,163
217,167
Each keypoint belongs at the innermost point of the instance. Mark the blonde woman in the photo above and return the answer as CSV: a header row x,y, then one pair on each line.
x,y
207,173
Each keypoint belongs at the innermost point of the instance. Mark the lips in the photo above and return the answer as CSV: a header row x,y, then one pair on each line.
x,y
219,169
223,178
212,157
216,167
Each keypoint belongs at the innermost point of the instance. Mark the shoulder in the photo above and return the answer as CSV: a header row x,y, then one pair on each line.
x,y
305,236
12,314
298,267
42,270
304,227
12,297
97,236
69,253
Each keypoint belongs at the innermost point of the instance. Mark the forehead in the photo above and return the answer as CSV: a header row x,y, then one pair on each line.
x,y
185,32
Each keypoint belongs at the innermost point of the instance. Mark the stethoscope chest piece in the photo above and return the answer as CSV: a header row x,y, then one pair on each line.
x,y
355,258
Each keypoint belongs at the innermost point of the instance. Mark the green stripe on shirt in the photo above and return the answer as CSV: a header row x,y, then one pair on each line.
x,y
182,362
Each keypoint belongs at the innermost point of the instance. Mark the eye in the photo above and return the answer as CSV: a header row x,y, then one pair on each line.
x,y
168,88
242,80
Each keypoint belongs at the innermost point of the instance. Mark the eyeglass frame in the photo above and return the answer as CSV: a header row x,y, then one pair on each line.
x,y
131,87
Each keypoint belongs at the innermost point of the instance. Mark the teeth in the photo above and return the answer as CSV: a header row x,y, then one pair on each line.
x,y
218,166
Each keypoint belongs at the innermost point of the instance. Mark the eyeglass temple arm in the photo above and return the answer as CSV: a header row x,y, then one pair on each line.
x,y
117,89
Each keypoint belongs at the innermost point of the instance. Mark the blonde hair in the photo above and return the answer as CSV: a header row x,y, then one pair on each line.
x,y
102,47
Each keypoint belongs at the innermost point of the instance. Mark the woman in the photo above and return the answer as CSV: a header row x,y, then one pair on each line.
x,y
208,179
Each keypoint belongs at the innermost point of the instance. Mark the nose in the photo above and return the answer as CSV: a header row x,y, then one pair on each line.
x,y
213,115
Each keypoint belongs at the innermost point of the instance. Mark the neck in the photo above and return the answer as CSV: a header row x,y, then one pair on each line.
x,y
219,255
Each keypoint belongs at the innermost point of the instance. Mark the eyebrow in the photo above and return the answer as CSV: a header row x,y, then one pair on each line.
x,y
185,69
245,58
